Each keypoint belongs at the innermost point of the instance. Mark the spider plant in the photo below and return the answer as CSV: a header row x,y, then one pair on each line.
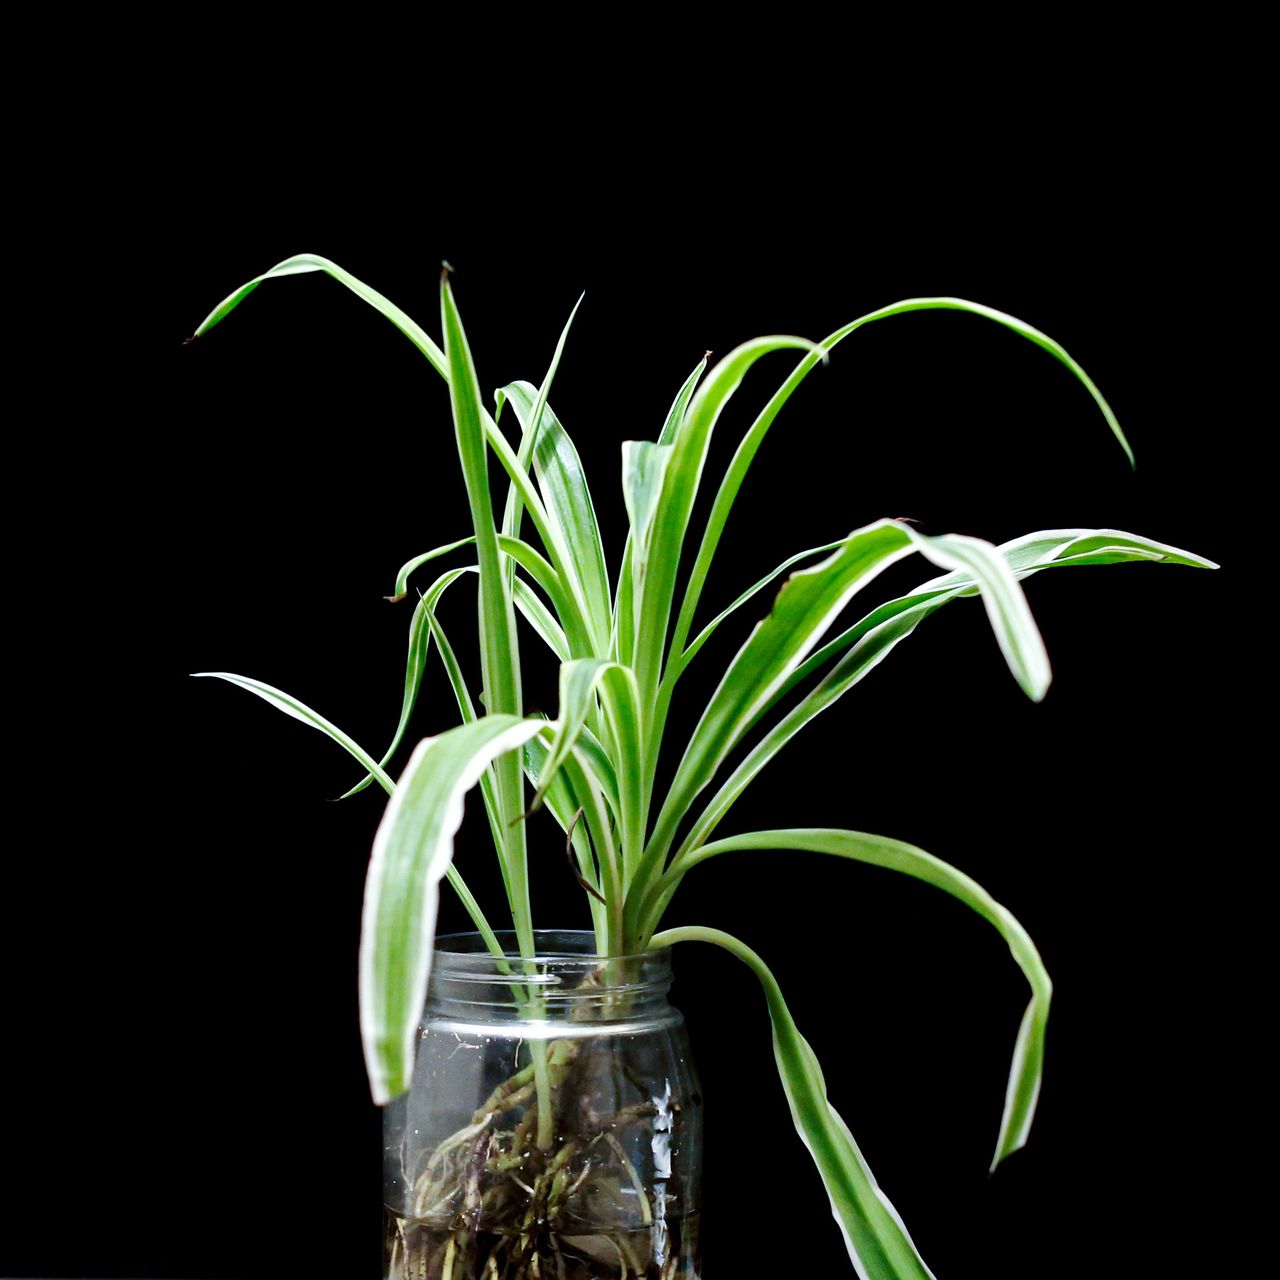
x,y
623,641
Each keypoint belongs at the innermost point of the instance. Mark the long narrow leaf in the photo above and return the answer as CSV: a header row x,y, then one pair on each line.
x,y
879,1246
300,711
499,653
307,262
570,510
1050,548
1028,1057
681,479
750,443
680,405
409,567
466,708
415,665
578,682
514,507
802,612
622,640
772,576
291,706
805,607
412,850
644,466
1007,608
302,263
875,635
535,612
563,802
540,618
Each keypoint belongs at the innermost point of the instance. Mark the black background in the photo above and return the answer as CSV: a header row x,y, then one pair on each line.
x,y
195,1103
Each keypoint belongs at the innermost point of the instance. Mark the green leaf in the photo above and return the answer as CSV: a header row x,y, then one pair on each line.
x,y
622,639
596,759
499,654
876,634
466,708
305,262
300,711
644,465
531,425
1050,548
680,405
535,612
877,1240
569,791
570,510
740,464
1028,1058
709,630
415,665
805,607
802,612
578,682
540,618
412,851
302,263
410,566
682,476
1007,608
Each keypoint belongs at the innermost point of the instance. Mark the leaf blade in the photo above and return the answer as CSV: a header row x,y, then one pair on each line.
x,y
302,263
879,1245
415,666
412,851
1026,1069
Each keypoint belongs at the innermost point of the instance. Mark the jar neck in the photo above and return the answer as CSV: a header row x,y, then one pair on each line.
x,y
565,981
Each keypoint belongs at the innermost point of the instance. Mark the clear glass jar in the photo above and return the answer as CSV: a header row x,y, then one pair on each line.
x,y
553,1129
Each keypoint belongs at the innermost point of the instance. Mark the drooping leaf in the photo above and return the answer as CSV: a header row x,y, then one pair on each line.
x,y
1023,1087
409,567
1007,609
877,633
412,851
1051,548
879,1246
746,451
803,610
291,706
300,711
302,263
306,262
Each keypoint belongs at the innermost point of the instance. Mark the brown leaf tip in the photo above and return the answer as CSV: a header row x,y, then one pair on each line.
x,y
446,267
186,342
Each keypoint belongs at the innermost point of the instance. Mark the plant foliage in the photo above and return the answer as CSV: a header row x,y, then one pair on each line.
x,y
622,642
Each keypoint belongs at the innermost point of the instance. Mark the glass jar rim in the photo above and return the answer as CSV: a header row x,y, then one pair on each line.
x,y
562,957
551,944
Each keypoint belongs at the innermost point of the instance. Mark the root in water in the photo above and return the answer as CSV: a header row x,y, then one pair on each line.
x,y
490,1205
